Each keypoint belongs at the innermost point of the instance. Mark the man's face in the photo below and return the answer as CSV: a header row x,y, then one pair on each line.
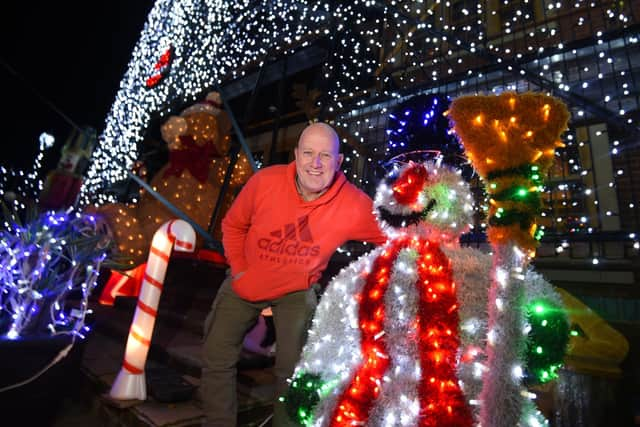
x,y
317,159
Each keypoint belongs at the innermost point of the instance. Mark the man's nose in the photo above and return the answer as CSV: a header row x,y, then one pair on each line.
x,y
317,162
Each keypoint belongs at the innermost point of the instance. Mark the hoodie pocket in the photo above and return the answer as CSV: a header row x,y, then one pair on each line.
x,y
258,284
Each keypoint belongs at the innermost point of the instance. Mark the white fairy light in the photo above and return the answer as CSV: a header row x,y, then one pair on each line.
x,y
502,277
517,372
491,337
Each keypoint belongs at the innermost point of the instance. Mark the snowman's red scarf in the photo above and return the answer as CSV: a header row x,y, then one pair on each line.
x,y
442,403
441,400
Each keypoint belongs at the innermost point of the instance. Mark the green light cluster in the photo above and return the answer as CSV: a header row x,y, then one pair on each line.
x,y
504,217
531,170
520,194
547,340
441,194
526,196
303,395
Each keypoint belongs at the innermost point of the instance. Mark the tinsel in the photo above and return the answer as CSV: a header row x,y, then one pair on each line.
x,y
303,396
442,402
507,131
443,206
400,394
364,386
408,186
502,394
549,335
332,350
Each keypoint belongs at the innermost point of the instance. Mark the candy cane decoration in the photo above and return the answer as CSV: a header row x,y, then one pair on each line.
x,y
130,382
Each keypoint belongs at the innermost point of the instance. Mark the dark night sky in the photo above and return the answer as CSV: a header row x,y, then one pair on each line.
x,y
74,54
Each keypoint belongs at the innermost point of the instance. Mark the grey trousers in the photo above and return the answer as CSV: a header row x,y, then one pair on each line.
x,y
224,330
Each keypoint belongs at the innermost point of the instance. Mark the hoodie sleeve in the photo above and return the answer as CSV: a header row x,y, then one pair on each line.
x,y
367,228
235,226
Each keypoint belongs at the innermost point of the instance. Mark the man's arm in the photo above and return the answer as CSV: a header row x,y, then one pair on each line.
x,y
367,228
235,226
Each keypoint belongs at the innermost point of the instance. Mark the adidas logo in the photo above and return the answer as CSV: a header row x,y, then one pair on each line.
x,y
289,231
290,240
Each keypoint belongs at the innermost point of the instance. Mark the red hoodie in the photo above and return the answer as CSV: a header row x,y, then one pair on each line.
x,y
283,243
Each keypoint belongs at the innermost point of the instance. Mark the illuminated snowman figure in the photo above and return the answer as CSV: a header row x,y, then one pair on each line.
x,y
398,337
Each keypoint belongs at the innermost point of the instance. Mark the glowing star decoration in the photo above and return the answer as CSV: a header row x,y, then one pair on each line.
x,y
510,140
373,346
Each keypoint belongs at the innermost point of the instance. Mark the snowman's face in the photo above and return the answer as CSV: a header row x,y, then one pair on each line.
x,y
399,200
432,197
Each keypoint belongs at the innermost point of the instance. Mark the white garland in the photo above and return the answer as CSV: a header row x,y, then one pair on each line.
x,y
398,403
332,350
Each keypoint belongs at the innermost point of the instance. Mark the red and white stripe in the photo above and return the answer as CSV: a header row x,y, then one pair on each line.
x,y
130,382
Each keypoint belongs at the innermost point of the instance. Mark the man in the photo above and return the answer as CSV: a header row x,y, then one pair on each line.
x,y
278,237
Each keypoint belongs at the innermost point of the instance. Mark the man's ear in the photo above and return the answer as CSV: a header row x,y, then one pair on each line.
x,y
340,159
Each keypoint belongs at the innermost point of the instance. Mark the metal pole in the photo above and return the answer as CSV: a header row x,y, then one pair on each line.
x,y
233,151
211,242
237,130
279,108
233,159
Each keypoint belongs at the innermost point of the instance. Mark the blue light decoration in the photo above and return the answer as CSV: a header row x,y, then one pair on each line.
x,y
48,268
418,127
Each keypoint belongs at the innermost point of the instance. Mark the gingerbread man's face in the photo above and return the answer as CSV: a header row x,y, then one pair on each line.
x,y
203,127
171,131
197,128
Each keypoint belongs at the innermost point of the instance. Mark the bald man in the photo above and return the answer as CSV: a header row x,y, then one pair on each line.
x,y
278,237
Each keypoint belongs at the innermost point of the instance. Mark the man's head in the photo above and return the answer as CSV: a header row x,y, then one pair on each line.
x,y
317,159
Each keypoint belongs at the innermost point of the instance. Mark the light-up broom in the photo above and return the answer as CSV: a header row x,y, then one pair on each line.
x,y
510,140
